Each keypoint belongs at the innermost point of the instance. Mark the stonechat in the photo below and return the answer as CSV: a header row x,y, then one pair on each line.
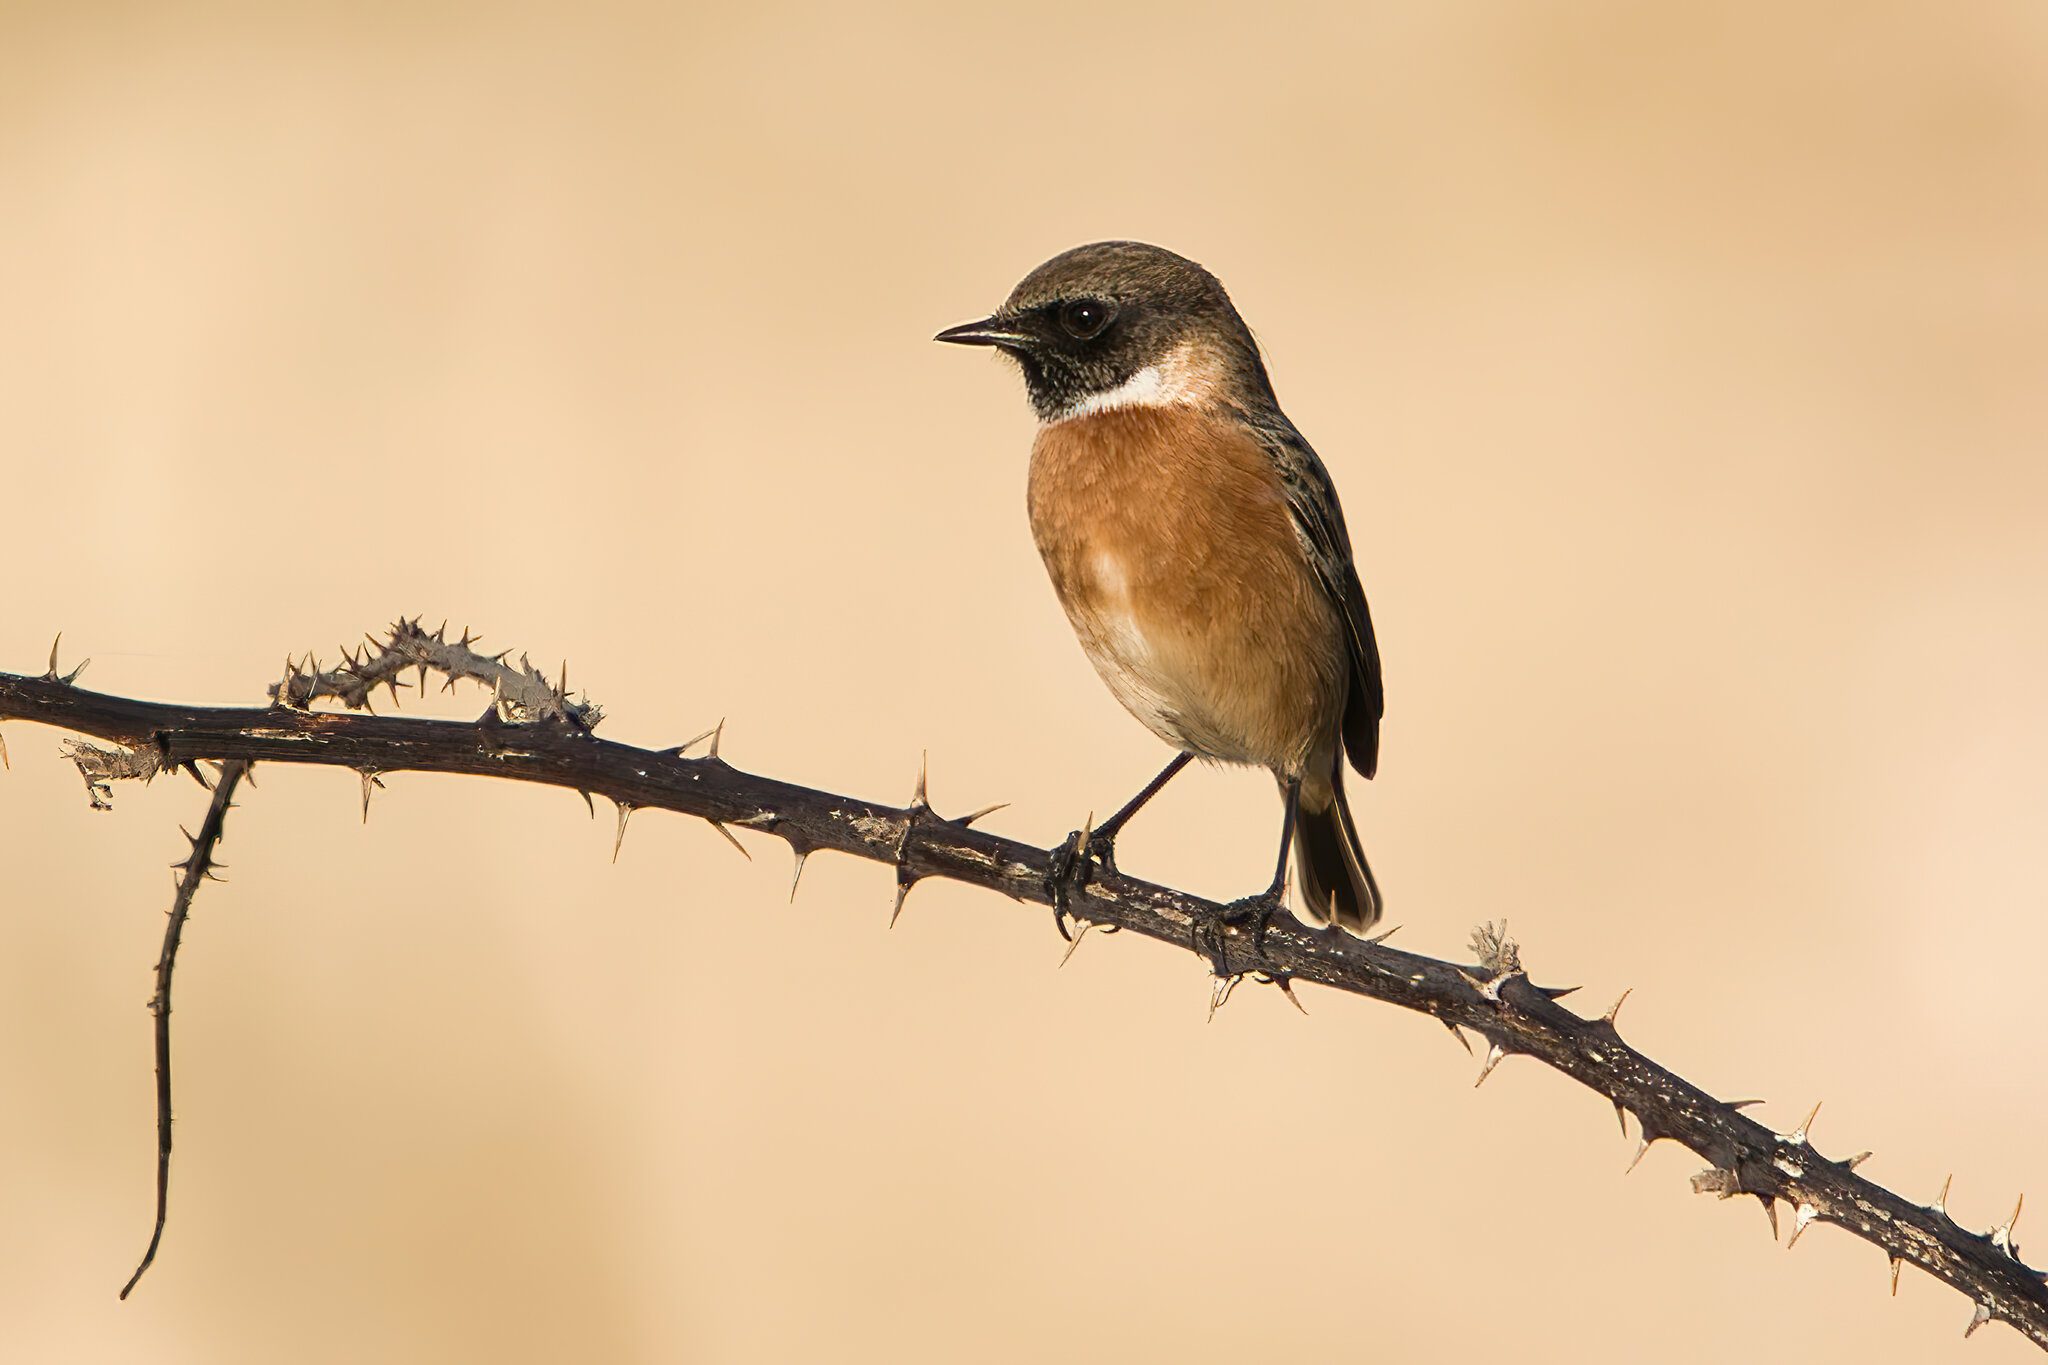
x,y
1195,541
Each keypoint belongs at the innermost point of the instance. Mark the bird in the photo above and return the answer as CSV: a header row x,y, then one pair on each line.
x,y
1195,541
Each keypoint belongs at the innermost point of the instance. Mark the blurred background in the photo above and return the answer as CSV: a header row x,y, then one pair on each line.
x,y
1682,370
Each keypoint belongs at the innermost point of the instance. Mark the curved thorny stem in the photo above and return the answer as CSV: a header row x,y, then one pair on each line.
x,y
198,866
533,734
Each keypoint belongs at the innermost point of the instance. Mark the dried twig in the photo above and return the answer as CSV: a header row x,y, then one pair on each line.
x,y
538,736
522,695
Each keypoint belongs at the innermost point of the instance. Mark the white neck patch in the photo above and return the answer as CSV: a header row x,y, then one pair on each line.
x,y
1184,378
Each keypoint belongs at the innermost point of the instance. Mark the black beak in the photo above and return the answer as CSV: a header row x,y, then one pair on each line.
x,y
987,332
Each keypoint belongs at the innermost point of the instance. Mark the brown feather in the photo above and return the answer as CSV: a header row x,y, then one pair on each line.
x,y
1167,535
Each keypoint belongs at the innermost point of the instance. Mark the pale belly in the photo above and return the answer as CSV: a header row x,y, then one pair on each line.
x,y
1237,672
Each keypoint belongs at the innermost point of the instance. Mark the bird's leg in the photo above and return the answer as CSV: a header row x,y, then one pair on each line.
x,y
1070,861
1102,843
1254,911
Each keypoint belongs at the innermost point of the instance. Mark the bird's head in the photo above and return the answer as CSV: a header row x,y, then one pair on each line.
x,y
1121,324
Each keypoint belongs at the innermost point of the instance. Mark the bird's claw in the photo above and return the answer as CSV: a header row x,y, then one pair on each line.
x,y
1073,867
1211,933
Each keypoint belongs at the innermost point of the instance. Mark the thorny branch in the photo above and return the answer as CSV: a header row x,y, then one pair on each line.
x,y
533,732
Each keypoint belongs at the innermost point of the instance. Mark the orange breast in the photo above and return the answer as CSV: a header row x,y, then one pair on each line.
x,y
1169,542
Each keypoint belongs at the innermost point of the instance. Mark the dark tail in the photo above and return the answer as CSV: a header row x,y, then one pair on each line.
x,y
1336,881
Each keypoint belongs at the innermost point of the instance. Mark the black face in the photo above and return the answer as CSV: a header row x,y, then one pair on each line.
x,y
1089,319
1078,347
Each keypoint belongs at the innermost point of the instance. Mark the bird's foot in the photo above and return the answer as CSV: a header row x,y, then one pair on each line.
x,y
1073,867
1212,933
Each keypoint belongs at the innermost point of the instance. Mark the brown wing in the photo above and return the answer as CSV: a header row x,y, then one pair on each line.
x,y
1319,521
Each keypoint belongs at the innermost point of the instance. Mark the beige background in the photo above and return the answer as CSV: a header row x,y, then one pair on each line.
x,y
1682,370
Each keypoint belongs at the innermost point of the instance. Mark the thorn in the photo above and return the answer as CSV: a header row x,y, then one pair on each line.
x,y
1857,1160
66,678
5,761
1459,1034
1896,1263
1740,1105
281,695
917,798
693,742
370,779
1286,984
1080,932
717,733
797,875
1771,1212
1383,937
1642,1147
1979,1315
1801,1218
1493,1056
2001,1236
1798,1135
1614,1010
904,881
967,820
730,839
1621,1117
618,839
588,802
1940,1204
1489,988
1556,992
1219,993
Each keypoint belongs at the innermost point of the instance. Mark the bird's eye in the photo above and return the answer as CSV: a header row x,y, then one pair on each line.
x,y
1084,318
